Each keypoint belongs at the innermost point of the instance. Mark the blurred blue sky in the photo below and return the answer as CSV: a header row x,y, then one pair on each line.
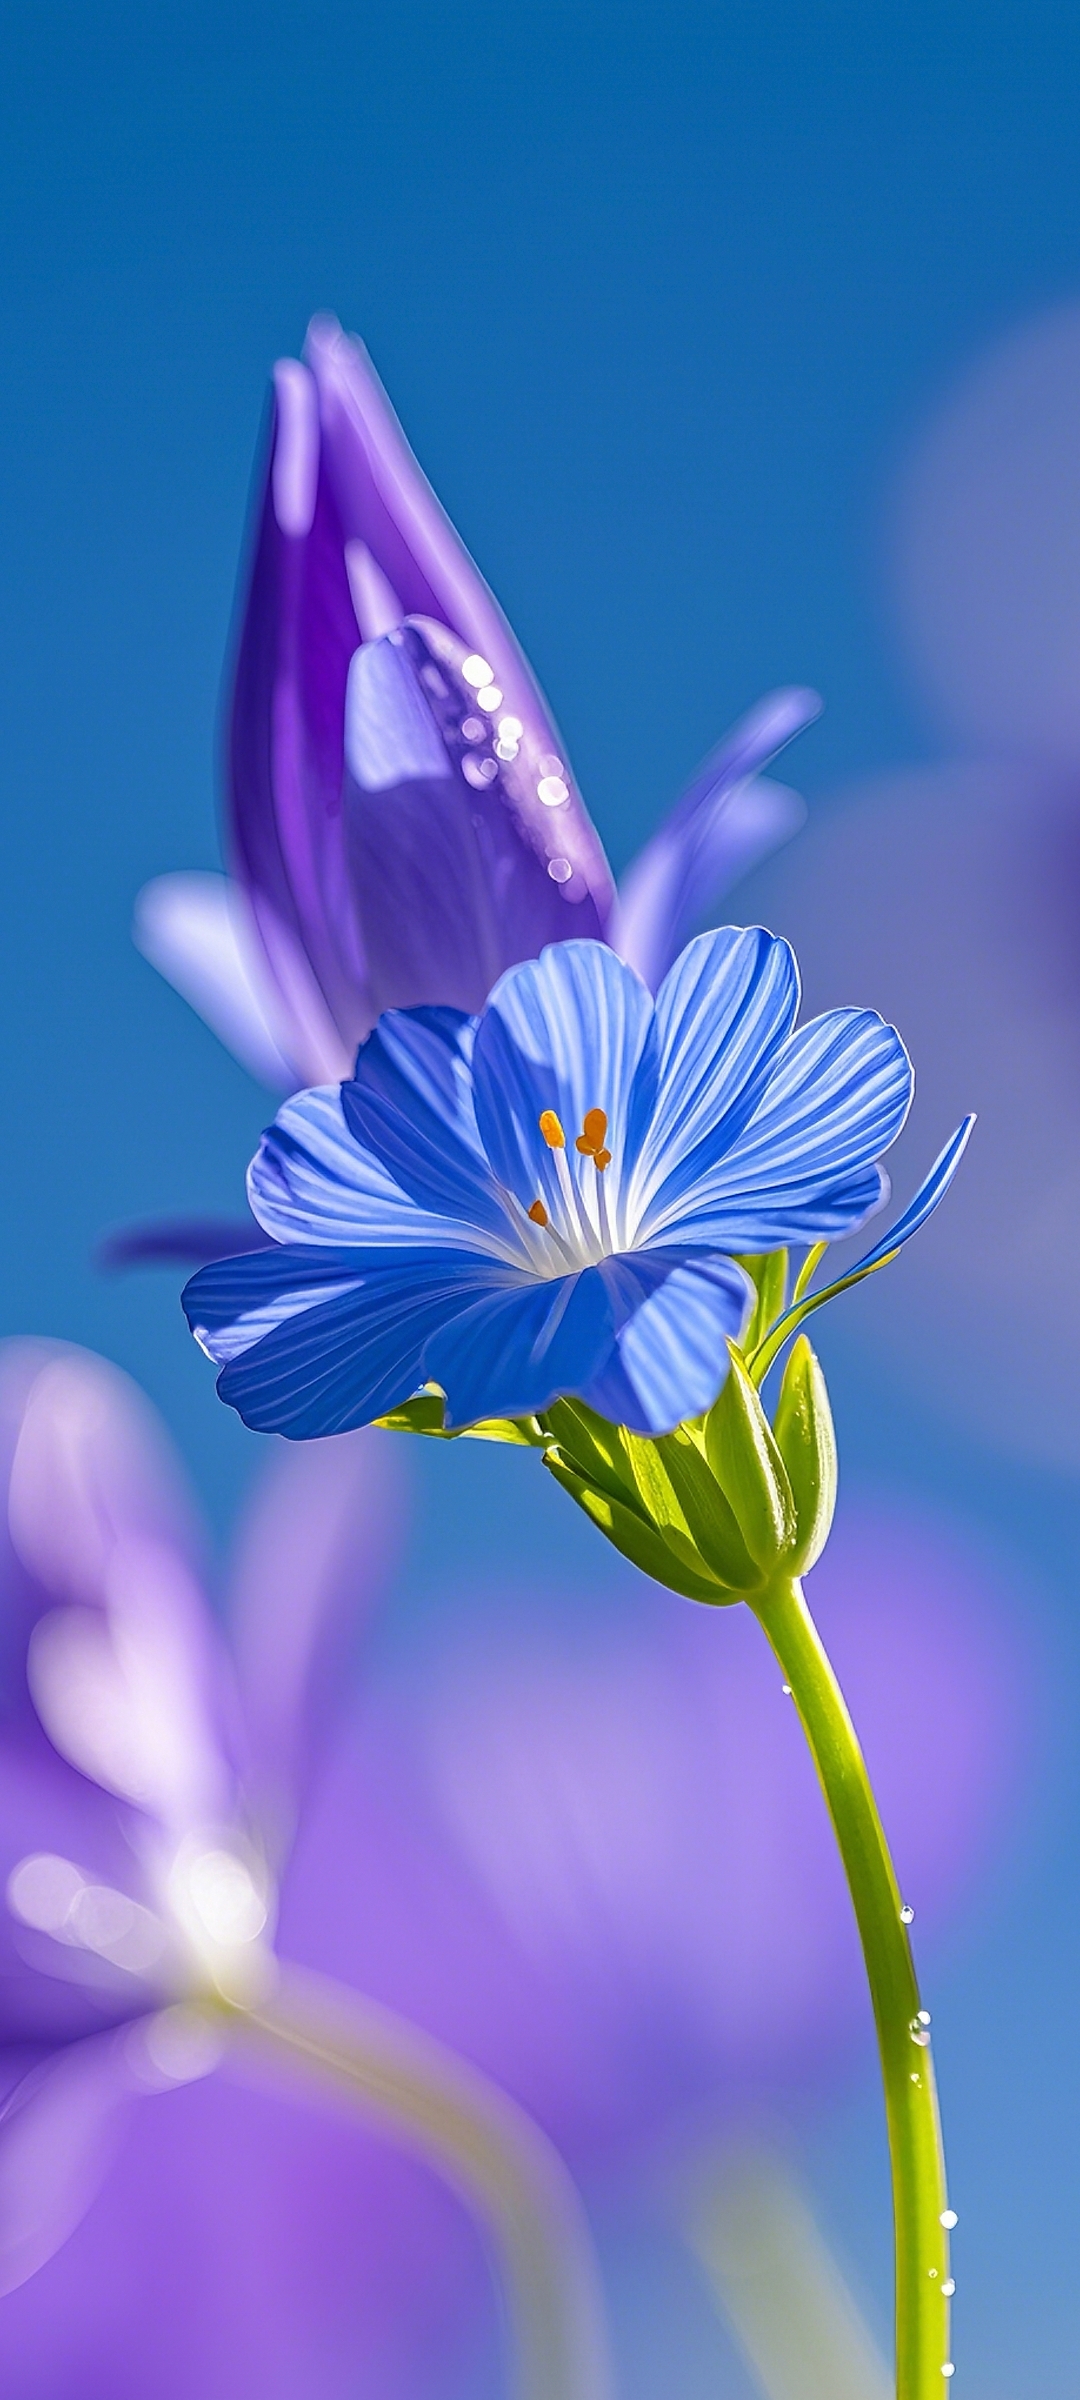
x,y
660,296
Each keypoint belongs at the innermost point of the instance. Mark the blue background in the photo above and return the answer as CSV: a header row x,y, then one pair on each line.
x,y
659,295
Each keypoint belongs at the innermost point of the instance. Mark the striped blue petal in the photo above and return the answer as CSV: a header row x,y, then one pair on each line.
x,y
722,1016
409,1107
675,1312
803,1168
570,1031
515,1350
327,1358
931,1190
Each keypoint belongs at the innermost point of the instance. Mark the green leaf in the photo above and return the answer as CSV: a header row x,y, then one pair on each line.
x,y
635,1538
748,1467
768,1272
807,1444
426,1413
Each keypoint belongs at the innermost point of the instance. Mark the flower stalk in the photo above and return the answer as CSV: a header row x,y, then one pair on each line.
x,y
477,2138
920,2206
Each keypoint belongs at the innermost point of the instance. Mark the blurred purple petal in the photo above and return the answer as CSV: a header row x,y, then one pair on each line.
x,y
318,1544
57,2133
722,825
592,1855
86,1467
247,2244
198,931
180,1241
987,546
950,897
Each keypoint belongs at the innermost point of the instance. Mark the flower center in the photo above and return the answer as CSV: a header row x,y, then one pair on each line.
x,y
577,1224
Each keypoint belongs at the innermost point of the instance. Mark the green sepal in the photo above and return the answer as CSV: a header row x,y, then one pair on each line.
x,y
632,1534
768,1272
807,1444
426,1413
744,1458
596,1448
706,1510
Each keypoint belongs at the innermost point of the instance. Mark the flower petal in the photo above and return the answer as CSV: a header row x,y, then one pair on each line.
x,y
675,1313
56,2137
722,825
517,1349
409,1106
570,1031
804,1168
319,1541
393,523
459,868
310,1355
932,1189
287,715
722,1014
314,1180
199,932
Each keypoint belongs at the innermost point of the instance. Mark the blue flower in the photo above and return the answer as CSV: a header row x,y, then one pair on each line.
x,y
551,1198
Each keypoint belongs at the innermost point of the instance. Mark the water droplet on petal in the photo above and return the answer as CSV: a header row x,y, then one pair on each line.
x,y
560,870
907,1914
510,729
948,2218
948,2288
919,2030
786,1689
552,791
948,2368
490,698
549,764
474,729
475,670
478,771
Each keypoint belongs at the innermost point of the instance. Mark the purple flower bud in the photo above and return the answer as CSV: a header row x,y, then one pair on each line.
x,y
403,822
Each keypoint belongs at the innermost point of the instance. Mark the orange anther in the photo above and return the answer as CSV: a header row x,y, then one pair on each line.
x,y
552,1130
591,1138
538,1213
601,1159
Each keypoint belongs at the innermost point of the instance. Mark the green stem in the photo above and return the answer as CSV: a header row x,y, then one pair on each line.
x,y
915,2153
479,2141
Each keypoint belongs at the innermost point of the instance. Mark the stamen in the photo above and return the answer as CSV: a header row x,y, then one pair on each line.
x,y
601,1159
552,1130
593,1135
538,1213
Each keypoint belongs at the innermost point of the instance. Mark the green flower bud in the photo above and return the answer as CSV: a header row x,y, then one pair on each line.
x,y
747,1464
807,1445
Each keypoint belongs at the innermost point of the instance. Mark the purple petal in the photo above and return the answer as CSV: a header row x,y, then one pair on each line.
x,y
199,932
287,721
717,832
318,1547
56,2138
387,506
110,1628
460,866
180,1241
246,2242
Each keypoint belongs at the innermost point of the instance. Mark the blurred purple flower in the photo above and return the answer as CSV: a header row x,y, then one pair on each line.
x,y
148,1786
403,823
951,892
589,1851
